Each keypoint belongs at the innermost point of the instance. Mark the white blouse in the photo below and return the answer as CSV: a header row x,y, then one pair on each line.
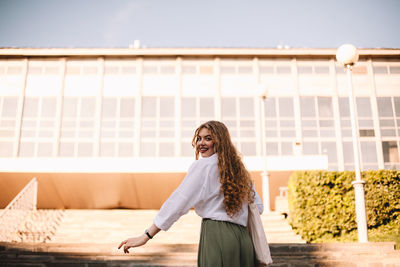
x,y
201,189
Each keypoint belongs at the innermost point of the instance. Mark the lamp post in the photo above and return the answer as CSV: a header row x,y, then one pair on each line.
x,y
262,95
347,55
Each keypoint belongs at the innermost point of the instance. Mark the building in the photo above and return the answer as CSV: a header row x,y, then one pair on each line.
x,y
107,128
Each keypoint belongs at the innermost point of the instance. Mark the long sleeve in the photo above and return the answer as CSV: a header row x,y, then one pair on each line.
x,y
183,198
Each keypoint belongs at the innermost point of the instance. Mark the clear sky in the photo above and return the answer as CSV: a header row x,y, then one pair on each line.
x,y
200,23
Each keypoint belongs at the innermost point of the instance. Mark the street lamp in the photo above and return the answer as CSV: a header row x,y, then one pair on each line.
x,y
347,55
262,93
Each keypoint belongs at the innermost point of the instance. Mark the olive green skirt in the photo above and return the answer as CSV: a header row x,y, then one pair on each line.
x,y
224,244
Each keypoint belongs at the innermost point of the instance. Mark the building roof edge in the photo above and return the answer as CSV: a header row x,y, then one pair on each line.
x,y
272,52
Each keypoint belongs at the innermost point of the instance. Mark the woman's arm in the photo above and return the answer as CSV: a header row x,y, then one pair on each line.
x,y
179,203
139,240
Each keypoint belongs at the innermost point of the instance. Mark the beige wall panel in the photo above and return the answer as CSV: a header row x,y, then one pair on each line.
x,y
361,85
386,85
279,86
94,190
158,85
11,78
342,86
110,190
236,85
43,85
120,86
199,85
10,85
81,86
309,85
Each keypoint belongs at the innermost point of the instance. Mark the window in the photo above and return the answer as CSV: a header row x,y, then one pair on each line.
x,y
273,67
348,155
380,70
344,112
389,120
194,111
82,67
119,67
38,127
366,131
238,114
158,127
390,152
8,121
117,127
283,70
318,128
386,116
357,70
43,67
364,113
232,67
154,68
340,70
385,70
317,117
189,69
394,69
77,127
368,155
312,69
280,130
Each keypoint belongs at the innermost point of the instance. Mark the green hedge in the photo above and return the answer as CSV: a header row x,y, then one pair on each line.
x,y
322,205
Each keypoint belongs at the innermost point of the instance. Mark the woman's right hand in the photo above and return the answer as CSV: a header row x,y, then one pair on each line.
x,y
133,242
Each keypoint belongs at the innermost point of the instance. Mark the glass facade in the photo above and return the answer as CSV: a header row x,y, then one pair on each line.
x,y
139,107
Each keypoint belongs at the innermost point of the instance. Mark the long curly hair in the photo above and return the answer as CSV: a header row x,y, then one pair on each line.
x,y
236,183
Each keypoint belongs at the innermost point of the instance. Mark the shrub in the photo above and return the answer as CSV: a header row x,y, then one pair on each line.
x,y
322,203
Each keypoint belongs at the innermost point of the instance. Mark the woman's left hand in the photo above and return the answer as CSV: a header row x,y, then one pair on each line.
x,y
133,242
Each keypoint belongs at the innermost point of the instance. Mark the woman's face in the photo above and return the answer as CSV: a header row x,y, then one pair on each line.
x,y
204,143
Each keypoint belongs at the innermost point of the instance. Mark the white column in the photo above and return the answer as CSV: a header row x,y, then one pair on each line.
x,y
20,109
218,97
265,173
59,107
99,102
336,114
375,115
298,149
178,104
138,107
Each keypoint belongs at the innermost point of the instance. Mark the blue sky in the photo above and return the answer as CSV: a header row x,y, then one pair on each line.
x,y
201,23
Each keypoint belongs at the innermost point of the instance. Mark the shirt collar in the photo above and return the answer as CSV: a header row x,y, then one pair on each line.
x,y
213,156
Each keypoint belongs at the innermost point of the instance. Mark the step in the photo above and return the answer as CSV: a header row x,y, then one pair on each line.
x,y
113,225
340,254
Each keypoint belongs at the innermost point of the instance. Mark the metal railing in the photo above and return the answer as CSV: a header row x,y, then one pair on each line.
x,y
17,211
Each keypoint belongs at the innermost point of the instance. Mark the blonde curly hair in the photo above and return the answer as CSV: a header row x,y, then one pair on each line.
x,y
236,183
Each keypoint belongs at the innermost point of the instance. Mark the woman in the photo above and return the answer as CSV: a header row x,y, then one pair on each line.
x,y
219,188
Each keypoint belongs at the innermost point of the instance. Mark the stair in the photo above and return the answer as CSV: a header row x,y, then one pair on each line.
x,y
278,230
108,226
289,255
91,237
